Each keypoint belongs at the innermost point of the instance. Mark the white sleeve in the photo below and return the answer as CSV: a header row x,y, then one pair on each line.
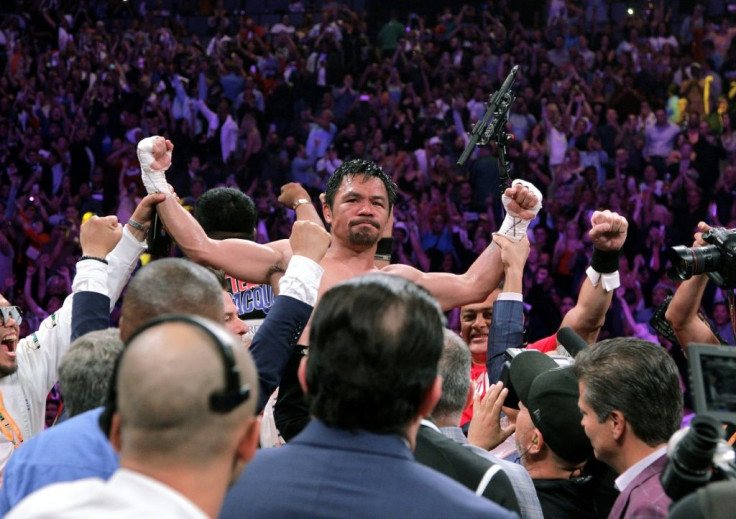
x,y
40,353
122,260
301,280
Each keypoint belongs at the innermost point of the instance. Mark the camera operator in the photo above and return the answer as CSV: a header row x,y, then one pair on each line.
x,y
682,313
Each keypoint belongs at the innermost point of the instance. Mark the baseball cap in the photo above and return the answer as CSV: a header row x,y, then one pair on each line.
x,y
435,140
550,393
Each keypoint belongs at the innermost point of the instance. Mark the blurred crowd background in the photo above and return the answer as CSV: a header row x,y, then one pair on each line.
x,y
625,106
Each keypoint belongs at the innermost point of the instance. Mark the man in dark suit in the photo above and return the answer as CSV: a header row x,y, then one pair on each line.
x,y
370,378
442,446
631,402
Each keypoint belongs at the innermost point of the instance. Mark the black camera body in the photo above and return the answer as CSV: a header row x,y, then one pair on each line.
x,y
717,259
512,399
697,456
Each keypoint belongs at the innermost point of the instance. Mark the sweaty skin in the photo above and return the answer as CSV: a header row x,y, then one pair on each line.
x,y
358,217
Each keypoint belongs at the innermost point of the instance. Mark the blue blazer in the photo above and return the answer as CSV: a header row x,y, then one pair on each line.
x,y
271,347
275,340
332,473
507,331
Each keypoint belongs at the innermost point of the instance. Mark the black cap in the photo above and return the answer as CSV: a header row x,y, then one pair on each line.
x,y
550,393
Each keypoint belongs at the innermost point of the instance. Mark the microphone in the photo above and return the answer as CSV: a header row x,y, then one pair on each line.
x,y
159,242
571,341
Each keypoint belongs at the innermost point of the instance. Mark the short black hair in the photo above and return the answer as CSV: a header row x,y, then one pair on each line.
x,y
225,212
359,167
374,347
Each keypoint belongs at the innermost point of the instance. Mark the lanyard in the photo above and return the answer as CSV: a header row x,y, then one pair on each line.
x,y
8,426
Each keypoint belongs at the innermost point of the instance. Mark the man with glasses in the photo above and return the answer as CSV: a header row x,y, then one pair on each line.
x,y
29,366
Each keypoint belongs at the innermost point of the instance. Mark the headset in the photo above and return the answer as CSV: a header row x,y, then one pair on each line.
x,y
221,401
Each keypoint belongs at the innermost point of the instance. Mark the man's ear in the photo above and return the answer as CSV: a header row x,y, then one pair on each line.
x,y
248,444
537,444
302,375
115,432
617,424
326,211
431,397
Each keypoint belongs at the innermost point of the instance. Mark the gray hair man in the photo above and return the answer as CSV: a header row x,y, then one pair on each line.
x,y
85,370
631,402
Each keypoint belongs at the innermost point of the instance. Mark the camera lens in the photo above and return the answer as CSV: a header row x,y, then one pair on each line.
x,y
690,261
689,460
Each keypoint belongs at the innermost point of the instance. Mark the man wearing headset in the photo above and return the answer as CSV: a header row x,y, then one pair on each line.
x,y
184,433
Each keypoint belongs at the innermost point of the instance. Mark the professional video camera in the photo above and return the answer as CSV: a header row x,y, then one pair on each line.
x,y
717,259
699,454
696,456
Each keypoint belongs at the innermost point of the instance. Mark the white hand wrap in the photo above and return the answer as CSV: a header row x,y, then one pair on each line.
x,y
513,226
153,179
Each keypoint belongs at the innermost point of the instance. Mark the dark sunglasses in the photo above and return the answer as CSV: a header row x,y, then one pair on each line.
x,y
7,312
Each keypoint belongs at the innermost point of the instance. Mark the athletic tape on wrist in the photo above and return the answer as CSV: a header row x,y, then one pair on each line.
x,y
153,179
513,226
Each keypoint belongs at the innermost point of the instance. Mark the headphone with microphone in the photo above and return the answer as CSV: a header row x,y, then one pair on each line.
x,y
221,401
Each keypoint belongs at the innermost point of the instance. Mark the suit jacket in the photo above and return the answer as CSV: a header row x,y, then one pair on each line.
x,y
478,474
275,340
271,347
333,473
644,497
507,331
90,312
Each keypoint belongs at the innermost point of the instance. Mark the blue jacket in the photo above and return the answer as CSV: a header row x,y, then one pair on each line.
x,y
77,448
332,473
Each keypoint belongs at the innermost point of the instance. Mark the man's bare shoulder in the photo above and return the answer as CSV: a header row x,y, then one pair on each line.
x,y
405,271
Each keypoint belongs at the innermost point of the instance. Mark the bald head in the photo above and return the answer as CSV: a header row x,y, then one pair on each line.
x,y
167,286
165,380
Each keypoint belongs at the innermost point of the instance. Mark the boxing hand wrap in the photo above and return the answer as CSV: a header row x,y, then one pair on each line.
x,y
514,227
153,179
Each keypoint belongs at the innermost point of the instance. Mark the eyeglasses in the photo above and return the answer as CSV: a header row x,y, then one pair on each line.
x,y
7,312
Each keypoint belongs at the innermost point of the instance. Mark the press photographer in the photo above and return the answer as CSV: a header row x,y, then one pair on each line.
x,y
712,256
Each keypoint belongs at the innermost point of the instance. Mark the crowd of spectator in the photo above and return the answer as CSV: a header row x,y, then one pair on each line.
x,y
630,114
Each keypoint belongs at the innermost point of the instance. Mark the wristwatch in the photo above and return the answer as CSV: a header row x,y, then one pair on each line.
x,y
301,201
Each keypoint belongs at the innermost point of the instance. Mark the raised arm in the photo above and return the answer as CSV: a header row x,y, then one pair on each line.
x,y
608,235
276,338
242,259
294,196
507,324
682,312
522,202
42,351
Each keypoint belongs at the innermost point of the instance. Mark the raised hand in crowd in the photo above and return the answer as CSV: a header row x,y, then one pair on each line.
x,y
99,235
486,430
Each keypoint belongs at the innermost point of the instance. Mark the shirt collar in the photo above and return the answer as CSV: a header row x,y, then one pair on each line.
x,y
630,474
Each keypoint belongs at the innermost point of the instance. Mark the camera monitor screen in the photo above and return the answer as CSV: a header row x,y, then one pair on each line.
x,y
713,380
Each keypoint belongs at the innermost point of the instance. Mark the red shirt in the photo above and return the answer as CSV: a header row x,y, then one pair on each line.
x,y
479,375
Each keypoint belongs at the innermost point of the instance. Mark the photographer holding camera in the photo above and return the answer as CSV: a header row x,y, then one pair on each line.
x,y
694,266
